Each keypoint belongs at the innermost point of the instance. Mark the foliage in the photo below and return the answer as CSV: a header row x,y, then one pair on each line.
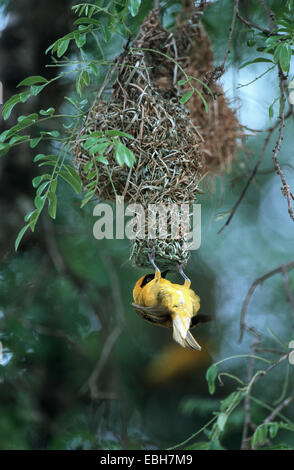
x,y
53,297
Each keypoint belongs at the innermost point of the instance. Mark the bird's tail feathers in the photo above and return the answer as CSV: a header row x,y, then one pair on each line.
x,y
182,335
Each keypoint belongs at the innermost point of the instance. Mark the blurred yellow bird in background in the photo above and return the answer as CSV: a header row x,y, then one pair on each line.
x,y
163,303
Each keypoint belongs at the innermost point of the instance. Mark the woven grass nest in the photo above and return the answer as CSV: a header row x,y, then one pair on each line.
x,y
166,142
190,46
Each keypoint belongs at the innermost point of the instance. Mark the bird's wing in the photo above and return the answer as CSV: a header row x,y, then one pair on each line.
x,y
157,315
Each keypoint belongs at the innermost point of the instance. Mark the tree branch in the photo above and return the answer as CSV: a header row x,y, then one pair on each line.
x,y
231,31
259,280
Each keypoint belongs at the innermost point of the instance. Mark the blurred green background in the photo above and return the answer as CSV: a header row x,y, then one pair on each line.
x,y
65,297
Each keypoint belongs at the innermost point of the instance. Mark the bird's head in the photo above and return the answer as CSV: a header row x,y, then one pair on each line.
x,y
148,278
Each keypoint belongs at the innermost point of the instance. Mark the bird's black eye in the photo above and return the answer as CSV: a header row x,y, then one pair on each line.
x,y
147,279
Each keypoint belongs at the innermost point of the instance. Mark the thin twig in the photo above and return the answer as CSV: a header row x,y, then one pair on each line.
x,y
92,382
255,169
289,295
269,13
252,25
279,408
232,27
103,358
245,443
259,280
249,181
286,191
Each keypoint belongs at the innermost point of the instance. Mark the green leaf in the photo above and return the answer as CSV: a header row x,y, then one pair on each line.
x,y
92,174
34,142
273,429
99,148
117,133
24,96
255,61
86,77
36,89
4,148
94,68
185,98
88,166
271,108
33,219
42,187
38,179
277,53
124,155
80,39
82,80
28,216
19,138
86,20
281,446
259,435
182,82
62,47
73,180
96,134
233,397
134,6
272,40
20,236
32,80
50,133
48,163
52,205
198,446
9,105
41,156
90,142
285,54
23,122
251,42
221,421
102,159
3,135
215,445
211,375
106,33
48,112
87,198
39,202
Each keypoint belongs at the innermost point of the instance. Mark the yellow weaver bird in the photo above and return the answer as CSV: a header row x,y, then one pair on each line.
x,y
163,303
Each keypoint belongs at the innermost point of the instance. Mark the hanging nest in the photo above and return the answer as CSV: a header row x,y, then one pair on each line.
x,y
173,152
219,127
165,143
168,162
190,47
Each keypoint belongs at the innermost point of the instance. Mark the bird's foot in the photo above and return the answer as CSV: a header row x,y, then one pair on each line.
x,y
187,280
152,261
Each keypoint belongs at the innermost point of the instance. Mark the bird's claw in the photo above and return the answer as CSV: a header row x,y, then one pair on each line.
x,y
152,259
187,280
